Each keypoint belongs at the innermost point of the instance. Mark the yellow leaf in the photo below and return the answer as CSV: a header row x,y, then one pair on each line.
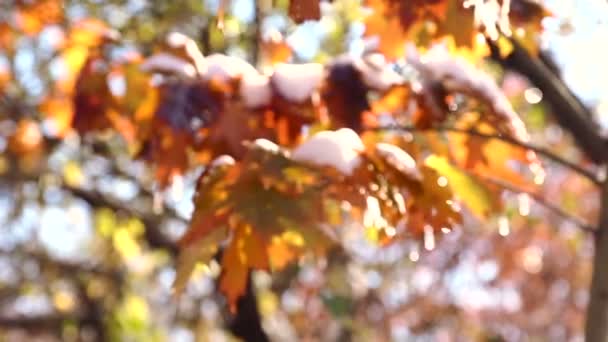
x,y
469,190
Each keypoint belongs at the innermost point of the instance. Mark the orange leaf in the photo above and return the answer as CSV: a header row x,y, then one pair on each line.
x,y
59,113
26,138
201,225
275,50
280,253
246,251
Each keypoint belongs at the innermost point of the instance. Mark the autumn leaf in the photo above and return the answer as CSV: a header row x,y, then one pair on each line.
x,y
247,251
27,138
7,37
489,157
58,112
467,188
387,28
275,49
458,24
92,97
200,251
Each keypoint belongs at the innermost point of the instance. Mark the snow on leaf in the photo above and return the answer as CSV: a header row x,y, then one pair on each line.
x,y
492,15
255,90
224,67
166,63
296,82
340,149
221,161
177,40
266,145
400,159
458,75
377,73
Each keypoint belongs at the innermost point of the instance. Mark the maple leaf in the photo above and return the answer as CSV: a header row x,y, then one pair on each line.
x,y
394,22
171,120
201,251
472,192
386,26
246,251
489,157
268,202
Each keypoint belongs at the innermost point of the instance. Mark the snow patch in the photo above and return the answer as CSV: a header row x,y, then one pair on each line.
x,y
223,160
164,62
376,72
255,90
296,82
340,149
267,145
226,67
398,158
459,75
180,40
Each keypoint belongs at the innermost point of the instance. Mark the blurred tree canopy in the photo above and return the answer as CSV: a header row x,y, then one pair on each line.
x,y
365,170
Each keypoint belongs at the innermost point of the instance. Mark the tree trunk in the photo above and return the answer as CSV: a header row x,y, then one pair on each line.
x,y
596,328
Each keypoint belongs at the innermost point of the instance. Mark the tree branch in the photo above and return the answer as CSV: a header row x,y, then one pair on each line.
x,y
153,234
596,325
543,202
567,110
510,140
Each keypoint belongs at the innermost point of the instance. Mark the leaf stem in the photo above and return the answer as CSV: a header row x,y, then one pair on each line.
x,y
539,199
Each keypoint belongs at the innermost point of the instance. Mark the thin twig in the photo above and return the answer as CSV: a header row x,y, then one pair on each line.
x,y
539,150
539,199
